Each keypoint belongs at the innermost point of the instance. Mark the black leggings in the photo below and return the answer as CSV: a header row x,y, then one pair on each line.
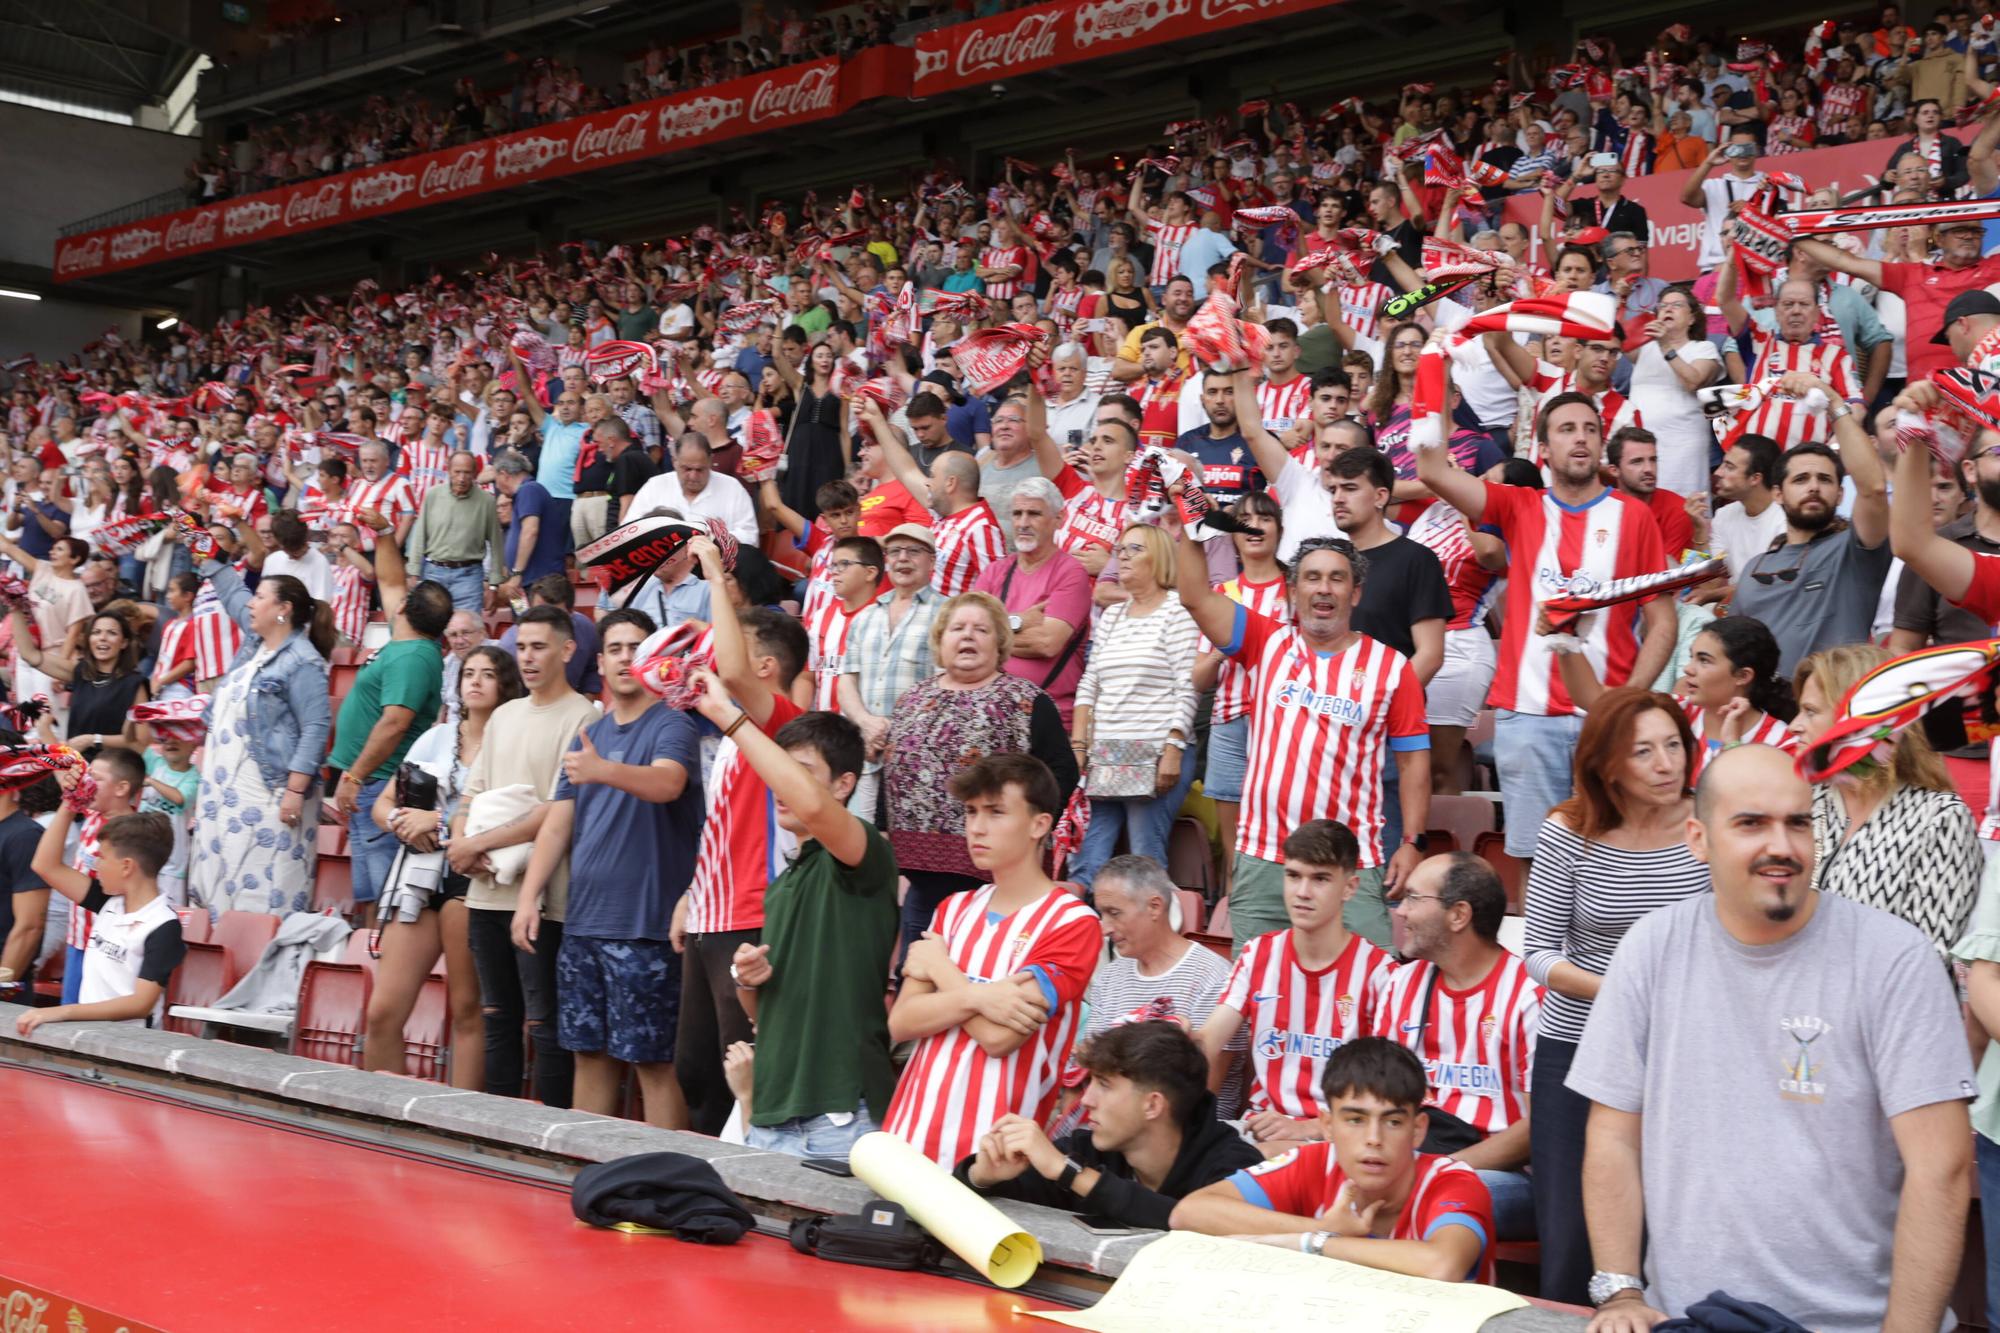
x,y
711,1019
516,988
1555,1145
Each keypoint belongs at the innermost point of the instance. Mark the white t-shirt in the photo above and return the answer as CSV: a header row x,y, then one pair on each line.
x,y
1307,506
1718,193
1739,538
723,498
128,947
1674,414
311,569
1080,414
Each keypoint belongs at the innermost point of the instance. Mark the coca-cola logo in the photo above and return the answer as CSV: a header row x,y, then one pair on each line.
x,y
526,156
809,93
308,207
193,232
1031,40
696,119
249,217
133,243
1221,9
930,62
379,189
467,171
81,257
623,136
1119,20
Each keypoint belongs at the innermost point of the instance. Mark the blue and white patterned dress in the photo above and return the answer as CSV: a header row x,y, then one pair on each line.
x,y
245,858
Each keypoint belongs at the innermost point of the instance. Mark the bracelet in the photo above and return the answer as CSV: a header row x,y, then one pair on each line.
x,y
1314,1241
730,730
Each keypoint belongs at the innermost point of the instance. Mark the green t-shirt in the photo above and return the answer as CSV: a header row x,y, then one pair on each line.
x,y
406,673
822,1030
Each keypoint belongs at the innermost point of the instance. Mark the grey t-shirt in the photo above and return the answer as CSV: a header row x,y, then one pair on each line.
x,y
1766,1076
996,487
1830,601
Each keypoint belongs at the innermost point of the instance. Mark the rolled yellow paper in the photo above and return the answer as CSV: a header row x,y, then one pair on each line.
x,y
966,1224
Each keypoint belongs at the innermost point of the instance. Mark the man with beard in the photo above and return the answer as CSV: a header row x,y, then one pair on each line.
x,y
1834,1037
1577,534
968,536
1634,455
1818,587
1748,519
1176,308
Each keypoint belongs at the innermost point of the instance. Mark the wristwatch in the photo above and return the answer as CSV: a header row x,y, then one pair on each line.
x,y
1670,353
1420,841
1071,1169
741,984
1314,1242
1840,411
1603,1285
1178,743
1014,624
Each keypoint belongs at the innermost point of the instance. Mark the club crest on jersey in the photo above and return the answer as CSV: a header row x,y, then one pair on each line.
x,y
1292,694
1804,1059
1344,1006
1602,535
1488,1026
1277,1043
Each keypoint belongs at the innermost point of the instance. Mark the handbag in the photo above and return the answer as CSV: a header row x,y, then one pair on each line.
x,y
416,788
881,1235
1124,769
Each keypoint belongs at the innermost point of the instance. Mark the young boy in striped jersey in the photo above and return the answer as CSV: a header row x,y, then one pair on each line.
x,y
1366,1195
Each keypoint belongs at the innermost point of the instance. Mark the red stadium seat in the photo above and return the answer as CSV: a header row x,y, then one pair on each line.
x,y
1440,841
1464,817
333,885
243,936
333,1010
427,1036
1492,849
200,980
1190,862
1193,911
1218,918
587,596
332,840
1220,945
196,928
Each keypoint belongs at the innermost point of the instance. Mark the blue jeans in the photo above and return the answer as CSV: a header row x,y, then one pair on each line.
x,y
467,586
812,1136
1533,755
1146,822
1228,759
73,977
1513,1204
373,849
1988,1154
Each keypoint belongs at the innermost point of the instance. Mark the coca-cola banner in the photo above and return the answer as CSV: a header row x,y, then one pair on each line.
x,y
1676,240
796,95
1069,30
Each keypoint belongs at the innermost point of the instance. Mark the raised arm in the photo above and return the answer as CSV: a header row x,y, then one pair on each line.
x,y
1733,310
1837,259
732,647
1870,515
890,441
48,863
1938,561
1214,613
1437,469
1268,451
825,816
531,402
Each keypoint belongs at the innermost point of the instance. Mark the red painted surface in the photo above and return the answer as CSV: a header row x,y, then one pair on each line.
x,y
185,1219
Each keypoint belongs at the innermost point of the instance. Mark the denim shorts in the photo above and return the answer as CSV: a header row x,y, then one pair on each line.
x,y
1534,756
621,998
812,1135
1228,760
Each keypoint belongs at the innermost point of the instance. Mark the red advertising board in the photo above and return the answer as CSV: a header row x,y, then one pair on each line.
x,y
1065,31
1676,228
796,95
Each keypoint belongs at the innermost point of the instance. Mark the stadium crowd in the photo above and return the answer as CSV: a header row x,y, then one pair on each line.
x,y
1024,514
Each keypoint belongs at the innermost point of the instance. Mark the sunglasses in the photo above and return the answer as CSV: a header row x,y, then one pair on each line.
x,y
1786,575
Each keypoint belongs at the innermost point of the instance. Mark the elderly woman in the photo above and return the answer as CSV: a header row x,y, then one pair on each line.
x,y
1893,834
1135,707
258,810
972,708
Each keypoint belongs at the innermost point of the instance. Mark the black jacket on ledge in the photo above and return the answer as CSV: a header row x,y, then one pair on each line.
x,y
1213,1152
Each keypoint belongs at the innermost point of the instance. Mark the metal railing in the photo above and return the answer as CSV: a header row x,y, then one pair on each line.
x,y
166,201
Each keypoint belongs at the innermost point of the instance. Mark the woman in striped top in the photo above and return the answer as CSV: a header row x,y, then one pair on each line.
x,y
1135,707
1613,852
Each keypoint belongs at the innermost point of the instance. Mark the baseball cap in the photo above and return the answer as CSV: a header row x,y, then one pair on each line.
x,y
1976,302
915,532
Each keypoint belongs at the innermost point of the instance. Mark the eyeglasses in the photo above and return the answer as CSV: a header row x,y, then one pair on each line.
x,y
906,552
849,564
1130,551
1409,898
1782,575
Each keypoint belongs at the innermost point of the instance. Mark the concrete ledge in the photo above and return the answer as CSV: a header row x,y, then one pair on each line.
x,y
570,1136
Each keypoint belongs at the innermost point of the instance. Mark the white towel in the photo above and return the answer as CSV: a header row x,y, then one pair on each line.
x,y
503,805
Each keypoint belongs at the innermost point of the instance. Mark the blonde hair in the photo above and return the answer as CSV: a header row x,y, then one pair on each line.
x,y
1913,763
995,610
1159,552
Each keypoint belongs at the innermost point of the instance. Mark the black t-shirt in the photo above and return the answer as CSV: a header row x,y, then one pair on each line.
x,y
631,471
19,836
1404,584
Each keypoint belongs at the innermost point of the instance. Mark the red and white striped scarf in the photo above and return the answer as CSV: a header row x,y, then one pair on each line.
x,y
1581,315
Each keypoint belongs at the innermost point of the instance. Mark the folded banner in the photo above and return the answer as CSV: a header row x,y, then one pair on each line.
x,y
24,765
1583,315
1892,696
664,663
1587,594
179,719
628,554
991,357
1815,222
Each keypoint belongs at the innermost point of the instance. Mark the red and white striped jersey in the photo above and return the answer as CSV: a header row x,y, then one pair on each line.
x,y
1318,726
1232,682
1837,103
1167,241
1306,1182
350,601
1064,305
1612,407
818,547
1283,405
967,542
1477,1045
1090,518
828,637
1012,256
81,921
1551,549
176,646
1361,306
423,466
742,849
388,496
1787,420
1298,1018
1443,530
216,637
1767,731
951,1091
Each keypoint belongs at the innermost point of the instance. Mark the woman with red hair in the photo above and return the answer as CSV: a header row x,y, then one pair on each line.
x,y
1613,852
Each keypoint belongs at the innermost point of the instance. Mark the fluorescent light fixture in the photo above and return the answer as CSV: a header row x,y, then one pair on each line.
x,y
19,295
166,323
